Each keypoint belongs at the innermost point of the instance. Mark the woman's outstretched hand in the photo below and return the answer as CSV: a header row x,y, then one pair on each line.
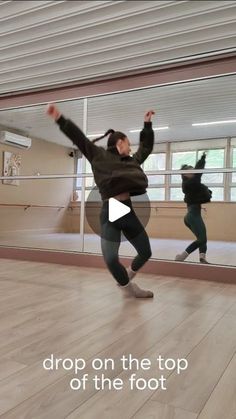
x,y
148,116
53,111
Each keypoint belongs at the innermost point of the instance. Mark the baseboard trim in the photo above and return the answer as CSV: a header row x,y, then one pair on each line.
x,y
216,273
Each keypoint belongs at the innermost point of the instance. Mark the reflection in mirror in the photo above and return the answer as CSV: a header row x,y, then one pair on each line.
x,y
177,141
168,233
37,213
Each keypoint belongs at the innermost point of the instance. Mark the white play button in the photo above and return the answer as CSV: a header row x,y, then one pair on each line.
x,y
117,210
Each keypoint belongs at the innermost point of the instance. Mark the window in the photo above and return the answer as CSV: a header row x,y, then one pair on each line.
x,y
156,194
156,190
217,194
215,160
176,194
181,153
89,183
180,158
155,162
233,176
234,165
233,194
215,181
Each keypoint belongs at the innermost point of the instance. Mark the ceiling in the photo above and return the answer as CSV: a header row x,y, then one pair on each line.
x,y
176,106
50,43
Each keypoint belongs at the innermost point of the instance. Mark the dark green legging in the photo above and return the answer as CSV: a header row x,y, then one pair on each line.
x,y
193,220
134,232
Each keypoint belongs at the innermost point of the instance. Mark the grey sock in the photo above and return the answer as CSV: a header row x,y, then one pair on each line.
x,y
182,256
133,290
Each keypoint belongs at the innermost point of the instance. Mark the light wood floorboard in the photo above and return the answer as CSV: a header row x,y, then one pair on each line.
x,y
74,312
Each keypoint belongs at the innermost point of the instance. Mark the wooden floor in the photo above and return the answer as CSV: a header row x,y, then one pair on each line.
x,y
75,312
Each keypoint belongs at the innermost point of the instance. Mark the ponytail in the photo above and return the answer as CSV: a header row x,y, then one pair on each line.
x,y
114,136
109,131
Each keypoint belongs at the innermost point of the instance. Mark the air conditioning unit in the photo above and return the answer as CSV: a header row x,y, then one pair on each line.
x,y
15,140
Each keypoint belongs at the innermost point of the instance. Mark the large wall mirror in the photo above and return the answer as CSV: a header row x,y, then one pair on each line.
x,y
191,118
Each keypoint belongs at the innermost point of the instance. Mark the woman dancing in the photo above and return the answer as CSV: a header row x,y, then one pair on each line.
x,y
195,194
120,176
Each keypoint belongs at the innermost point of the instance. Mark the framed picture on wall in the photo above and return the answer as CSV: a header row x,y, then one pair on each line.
x,y
11,167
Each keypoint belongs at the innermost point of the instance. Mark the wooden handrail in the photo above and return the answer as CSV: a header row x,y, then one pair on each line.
x,y
139,206
71,207
27,206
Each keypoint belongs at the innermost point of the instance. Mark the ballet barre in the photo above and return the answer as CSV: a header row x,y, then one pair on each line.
x,y
27,206
90,175
157,208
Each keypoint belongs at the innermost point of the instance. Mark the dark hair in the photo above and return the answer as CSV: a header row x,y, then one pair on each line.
x,y
114,136
185,167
